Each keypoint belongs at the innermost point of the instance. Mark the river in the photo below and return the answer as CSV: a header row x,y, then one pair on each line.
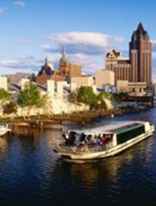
x,y
31,173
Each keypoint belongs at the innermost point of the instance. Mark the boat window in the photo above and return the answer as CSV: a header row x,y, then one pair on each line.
x,y
130,134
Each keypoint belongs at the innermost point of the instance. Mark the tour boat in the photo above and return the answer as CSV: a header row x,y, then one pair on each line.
x,y
105,141
4,129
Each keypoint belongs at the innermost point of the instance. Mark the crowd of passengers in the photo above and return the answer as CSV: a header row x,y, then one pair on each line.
x,y
74,139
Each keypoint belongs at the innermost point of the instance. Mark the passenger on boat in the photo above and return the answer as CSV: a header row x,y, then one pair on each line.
x,y
92,140
71,139
88,138
66,138
77,140
82,137
106,138
98,141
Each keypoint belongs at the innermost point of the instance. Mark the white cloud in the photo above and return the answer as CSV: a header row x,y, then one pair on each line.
x,y
85,48
25,64
19,3
90,43
89,63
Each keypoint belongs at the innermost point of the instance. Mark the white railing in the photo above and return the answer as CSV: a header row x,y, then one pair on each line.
x,y
83,148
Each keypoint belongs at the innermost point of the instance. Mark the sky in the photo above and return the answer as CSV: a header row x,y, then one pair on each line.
x,y
33,29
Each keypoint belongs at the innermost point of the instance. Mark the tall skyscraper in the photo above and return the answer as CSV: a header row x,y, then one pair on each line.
x,y
138,68
141,56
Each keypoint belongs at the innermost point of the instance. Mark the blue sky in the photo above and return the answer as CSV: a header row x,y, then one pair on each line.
x,y
33,29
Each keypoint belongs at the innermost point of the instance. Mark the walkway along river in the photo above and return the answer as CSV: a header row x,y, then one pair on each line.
x,y
31,173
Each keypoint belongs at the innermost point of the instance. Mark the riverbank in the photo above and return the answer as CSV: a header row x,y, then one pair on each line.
x,y
57,121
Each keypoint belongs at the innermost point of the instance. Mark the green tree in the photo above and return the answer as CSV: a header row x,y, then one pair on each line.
x,y
101,100
31,97
87,96
4,96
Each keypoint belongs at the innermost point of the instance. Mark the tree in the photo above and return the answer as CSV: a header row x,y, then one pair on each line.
x,y
31,97
101,100
4,96
87,96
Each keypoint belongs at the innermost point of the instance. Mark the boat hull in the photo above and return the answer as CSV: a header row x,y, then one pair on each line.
x,y
93,156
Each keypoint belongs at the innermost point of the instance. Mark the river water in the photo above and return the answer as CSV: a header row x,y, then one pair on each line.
x,y
31,173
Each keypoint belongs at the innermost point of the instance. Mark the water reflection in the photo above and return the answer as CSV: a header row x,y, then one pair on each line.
x,y
3,146
110,169
32,173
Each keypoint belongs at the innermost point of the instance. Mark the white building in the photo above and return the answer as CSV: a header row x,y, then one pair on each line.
x,y
77,82
133,88
3,83
59,98
24,82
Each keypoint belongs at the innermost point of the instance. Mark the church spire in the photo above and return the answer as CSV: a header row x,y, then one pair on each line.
x,y
140,27
63,59
46,61
63,52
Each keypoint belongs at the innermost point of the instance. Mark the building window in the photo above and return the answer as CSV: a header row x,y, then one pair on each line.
x,y
130,134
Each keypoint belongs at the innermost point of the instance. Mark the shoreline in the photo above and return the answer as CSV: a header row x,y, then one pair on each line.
x,y
57,121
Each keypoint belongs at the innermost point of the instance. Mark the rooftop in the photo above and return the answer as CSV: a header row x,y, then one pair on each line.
x,y
115,126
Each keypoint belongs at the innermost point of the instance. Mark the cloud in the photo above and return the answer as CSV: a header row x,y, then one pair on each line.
x,y
89,63
19,3
90,43
85,48
25,64
89,48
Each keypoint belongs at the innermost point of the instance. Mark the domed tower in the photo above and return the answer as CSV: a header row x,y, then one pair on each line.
x,y
141,56
45,73
64,64
46,68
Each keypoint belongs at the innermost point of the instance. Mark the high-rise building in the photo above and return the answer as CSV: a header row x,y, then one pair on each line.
x,y
138,68
119,65
141,56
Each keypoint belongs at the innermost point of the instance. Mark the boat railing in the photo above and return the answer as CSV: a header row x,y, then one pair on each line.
x,y
83,148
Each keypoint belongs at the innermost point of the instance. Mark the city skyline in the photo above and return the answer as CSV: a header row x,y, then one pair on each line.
x,y
30,31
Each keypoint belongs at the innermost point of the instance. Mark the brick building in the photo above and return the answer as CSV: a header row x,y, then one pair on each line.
x,y
66,70
138,67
